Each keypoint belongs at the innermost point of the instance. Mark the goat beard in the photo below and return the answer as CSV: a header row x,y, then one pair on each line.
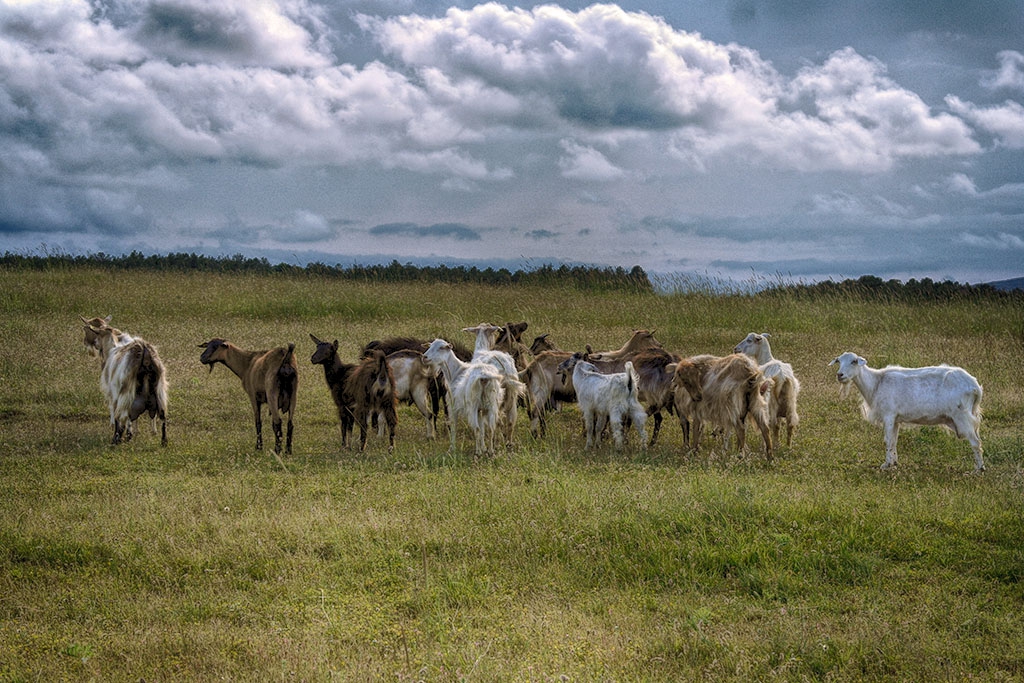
x,y
844,389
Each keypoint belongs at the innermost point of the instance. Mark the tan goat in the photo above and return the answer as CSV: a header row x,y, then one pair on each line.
x,y
270,377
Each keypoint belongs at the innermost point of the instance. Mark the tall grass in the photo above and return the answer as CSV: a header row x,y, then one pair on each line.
x,y
209,560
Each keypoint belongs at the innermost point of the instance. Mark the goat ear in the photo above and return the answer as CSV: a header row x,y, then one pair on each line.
x,y
861,361
335,344
833,361
313,337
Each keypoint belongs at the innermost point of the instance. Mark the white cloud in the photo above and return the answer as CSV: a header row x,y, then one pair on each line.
x,y
1005,121
305,226
244,32
1010,74
998,241
603,68
959,183
586,163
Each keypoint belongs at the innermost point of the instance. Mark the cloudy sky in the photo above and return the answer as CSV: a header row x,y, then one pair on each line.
x,y
726,138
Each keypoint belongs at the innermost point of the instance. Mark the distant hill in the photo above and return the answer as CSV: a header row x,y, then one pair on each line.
x,y
1009,285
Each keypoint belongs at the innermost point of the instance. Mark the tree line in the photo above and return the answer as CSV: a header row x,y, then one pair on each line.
x,y
867,287
872,288
581,277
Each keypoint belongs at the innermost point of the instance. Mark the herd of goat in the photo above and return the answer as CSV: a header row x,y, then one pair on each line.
x,y
484,387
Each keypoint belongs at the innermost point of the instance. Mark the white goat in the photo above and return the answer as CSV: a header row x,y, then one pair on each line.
x,y
483,351
414,379
785,389
477,391
606,398
937,395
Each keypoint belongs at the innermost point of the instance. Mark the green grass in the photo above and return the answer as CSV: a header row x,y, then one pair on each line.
x,y
209,560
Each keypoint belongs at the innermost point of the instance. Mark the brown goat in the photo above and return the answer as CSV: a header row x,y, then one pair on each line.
x,y
93,330
360,390
510,341
655,368
270,377
543,343
392,344
723,392
639,341
546,388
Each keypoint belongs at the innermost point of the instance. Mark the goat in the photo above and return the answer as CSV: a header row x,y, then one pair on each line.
x,y
486,334
438,390
723,392
477,390
416,383
360,391
546,386
509,340
639,341
270,377
133,379
785,387
605,398
655,369
371,389
937,395
543,343
391,344
93,328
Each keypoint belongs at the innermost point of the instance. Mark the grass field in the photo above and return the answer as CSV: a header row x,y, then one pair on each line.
x,y
208,560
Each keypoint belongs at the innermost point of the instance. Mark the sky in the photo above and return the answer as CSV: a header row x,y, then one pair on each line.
x,y
736,139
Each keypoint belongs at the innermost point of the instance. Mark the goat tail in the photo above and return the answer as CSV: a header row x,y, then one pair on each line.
x,y
976,408
515,387
287,379
492,395
633,383
156,376
286,370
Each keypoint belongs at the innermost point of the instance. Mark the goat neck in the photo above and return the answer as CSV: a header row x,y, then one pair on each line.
x,y
237,360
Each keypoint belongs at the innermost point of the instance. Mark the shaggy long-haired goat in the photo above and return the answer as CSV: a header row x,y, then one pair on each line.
x,y
133,380
724,392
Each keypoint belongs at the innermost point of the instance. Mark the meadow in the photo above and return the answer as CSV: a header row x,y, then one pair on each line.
x,y
208,560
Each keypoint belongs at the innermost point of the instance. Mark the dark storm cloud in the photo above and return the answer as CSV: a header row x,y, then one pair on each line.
x,y
541,234
453,230
990,19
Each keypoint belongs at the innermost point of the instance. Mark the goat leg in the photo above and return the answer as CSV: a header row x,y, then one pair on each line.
x,y
656,413
277,434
